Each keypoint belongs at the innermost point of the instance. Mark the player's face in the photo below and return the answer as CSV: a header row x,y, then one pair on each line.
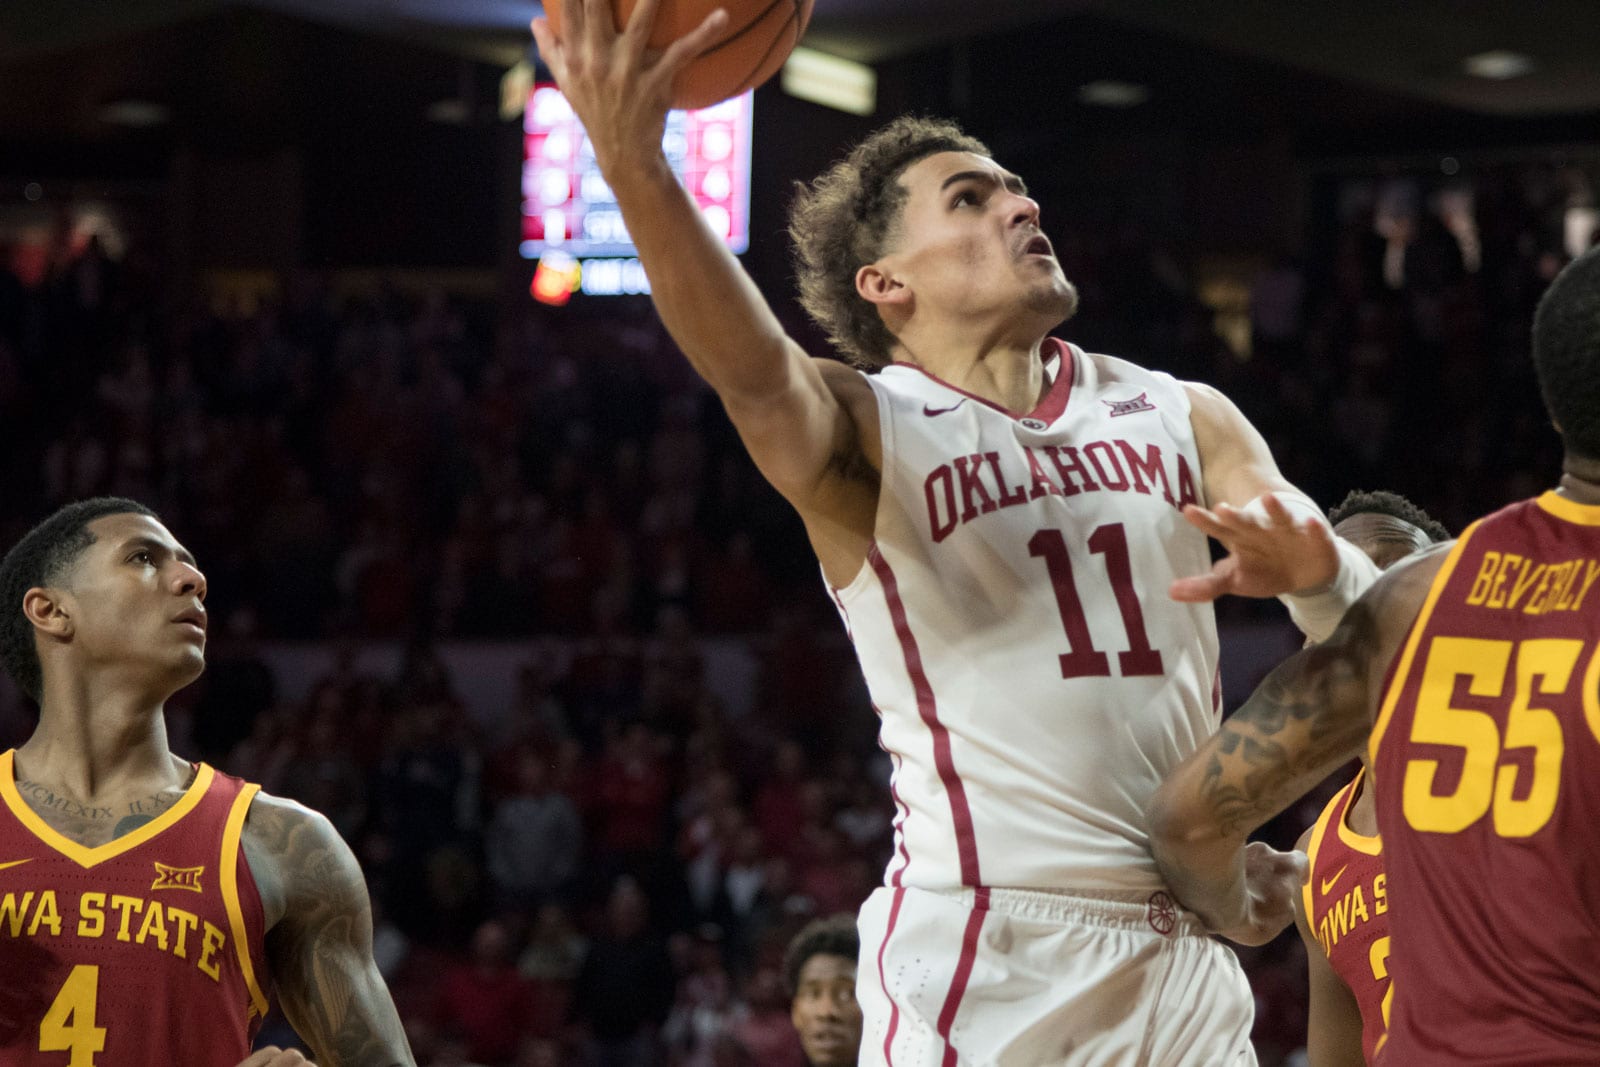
x,y
136,604
825,1012
1385,539
969,244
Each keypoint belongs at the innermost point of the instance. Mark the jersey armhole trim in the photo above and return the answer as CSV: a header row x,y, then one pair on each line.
x,y
1402,673
1313,848
231,834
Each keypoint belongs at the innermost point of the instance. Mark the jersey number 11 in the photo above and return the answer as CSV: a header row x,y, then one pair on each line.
x,y
1086,661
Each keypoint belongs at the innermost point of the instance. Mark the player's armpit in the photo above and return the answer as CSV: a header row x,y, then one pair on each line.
x,y
320,949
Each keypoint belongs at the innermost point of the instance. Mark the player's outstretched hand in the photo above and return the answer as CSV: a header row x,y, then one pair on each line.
x,y
1271,879
273,1056
1268,555
618,86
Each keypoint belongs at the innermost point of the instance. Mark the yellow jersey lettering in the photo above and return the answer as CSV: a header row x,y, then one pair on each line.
x,y
1380,895
154,925
1588,580
1480,584
12,912
1497,596
1529,575
92,915
1341,917
214,940
1325,933
1358,907
128,907
46,915
183,921
1536,599
1561,596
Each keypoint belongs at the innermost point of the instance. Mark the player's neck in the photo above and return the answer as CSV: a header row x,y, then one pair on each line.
x,y
1580,479
1007,373
90,744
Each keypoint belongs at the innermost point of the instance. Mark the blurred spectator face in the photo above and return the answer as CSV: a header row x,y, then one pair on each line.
x,y
825,1012
489,945
628,909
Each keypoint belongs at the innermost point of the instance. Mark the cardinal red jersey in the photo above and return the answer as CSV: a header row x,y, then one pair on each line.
x,y
1347,908
142,952
1487,748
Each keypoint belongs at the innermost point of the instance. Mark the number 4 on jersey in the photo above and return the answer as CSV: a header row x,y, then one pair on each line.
x,y
68,1025
1086,661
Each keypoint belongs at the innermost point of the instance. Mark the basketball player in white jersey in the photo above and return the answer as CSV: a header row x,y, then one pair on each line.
x,y
1001,519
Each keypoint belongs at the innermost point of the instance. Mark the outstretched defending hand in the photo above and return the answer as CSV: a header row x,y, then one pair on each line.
x,y
1271,879
1267,555
273,1056
618,86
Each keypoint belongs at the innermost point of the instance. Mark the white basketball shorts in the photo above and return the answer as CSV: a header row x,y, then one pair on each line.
x,y
1025,978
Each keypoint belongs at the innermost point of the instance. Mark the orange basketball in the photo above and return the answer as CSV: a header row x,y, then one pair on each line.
x,y
760,35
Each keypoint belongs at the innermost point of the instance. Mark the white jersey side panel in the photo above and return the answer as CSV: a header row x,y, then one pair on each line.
x,y
1034,679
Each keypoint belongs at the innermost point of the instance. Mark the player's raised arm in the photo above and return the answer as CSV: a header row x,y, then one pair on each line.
x,y
320,947
1278,541
1309,716
780,399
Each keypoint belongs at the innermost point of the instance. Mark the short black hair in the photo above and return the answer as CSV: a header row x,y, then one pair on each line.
x,y
1383,502
1566,353
41,557
833,936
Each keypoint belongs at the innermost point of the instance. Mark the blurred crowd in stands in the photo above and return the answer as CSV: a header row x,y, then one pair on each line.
x,y
608,873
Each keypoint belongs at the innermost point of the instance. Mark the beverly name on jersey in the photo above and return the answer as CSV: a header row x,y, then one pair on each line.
x,y
163,926
968,486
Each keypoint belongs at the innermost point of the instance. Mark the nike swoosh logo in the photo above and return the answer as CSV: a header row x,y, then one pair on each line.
x,y
931,411
15,863
1329,883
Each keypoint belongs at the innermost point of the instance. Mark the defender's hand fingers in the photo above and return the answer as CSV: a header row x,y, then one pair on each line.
x,y
1276,511
1205,521
1198,590
678,54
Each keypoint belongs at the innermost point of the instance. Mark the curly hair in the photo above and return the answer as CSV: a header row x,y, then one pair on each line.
x,y
833,936
845,218
42,556
1383,502
1566,353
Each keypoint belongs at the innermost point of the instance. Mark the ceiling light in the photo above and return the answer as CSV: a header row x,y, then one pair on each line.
x,y
1113,94
449,112
1498,65
831,81
140,114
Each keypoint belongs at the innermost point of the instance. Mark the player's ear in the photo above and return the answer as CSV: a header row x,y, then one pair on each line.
x,y
47,611
877,284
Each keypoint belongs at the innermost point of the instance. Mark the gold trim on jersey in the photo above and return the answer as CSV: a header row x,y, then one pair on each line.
x,y
232,831
1368,846
1591,694
1319,830
1570,510
84,855
1402,671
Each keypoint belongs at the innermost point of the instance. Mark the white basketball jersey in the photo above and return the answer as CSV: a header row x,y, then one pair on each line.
x,y
1035,681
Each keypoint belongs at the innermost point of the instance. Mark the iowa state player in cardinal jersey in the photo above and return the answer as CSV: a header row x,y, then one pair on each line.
x,y
150,907
1481,662
1343,911
1003,520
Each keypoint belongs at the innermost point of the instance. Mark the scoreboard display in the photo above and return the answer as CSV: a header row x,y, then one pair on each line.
x,y
568,208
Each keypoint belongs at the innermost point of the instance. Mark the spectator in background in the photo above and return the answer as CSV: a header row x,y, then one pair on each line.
x,y
820,967
534,839
486,1002
626,986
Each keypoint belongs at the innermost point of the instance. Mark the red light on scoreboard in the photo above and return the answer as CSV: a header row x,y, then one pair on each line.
x,y
567,205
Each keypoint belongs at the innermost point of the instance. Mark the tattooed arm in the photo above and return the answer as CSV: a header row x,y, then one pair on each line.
x,y
319,938
1309,716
